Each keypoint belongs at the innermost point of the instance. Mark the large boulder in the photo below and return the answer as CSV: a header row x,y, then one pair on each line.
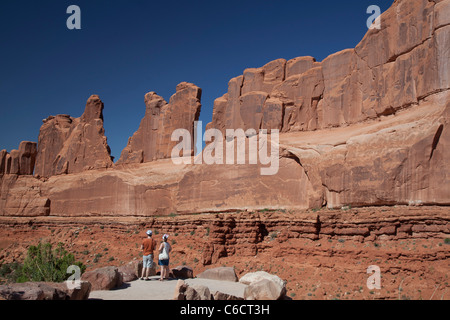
x,y
183,272
133,270
220,273
264,290
22,291
198,292
180,290
263,286
253,277
183,291
105,278
78,293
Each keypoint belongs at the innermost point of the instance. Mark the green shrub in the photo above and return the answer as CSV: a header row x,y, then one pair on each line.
x,y
45,264
8,271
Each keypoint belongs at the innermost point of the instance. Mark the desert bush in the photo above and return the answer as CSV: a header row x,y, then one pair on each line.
x,y
43,263
8,272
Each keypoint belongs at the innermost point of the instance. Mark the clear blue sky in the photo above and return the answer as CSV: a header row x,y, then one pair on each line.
x,y
128,48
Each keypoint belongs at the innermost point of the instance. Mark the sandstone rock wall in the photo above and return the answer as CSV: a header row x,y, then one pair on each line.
x,y
365,127
152,141
21,196
390,69
72,145
19,162
387,163
19,191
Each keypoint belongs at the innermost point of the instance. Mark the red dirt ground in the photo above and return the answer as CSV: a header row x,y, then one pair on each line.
x,y
329,267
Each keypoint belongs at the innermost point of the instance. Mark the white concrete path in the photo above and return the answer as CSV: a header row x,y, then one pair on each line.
x,y
164,290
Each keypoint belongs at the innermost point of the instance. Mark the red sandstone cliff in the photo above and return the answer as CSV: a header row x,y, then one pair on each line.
x,y
389,70
366,126
152,141
20,162
73,145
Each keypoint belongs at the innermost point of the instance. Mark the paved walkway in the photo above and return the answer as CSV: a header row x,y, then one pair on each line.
x,y
164,290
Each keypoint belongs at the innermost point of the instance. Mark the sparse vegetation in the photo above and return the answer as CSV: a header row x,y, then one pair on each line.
x,y
273,235
43,263
97,257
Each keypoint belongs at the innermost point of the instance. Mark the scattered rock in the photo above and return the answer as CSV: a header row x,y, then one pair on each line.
x,y
220,273
198,292
183,272
44,291
225,296
22,291
183,291
180,290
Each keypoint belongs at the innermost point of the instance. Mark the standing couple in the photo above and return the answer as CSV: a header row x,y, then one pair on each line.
x,y
148,246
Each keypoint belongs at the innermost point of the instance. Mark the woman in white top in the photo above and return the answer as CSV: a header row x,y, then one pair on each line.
x,y
164,250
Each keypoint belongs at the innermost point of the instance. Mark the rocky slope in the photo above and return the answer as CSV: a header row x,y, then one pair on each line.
x,y
322,254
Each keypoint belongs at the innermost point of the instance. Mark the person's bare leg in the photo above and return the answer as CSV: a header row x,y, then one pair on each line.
x,y
167,272
162,273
